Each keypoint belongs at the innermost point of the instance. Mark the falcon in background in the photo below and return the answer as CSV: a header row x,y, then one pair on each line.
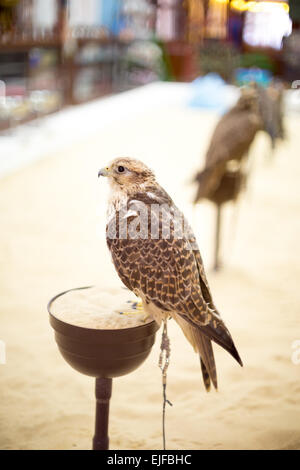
x,y
224,174
161,263
257,109
230,142
271,105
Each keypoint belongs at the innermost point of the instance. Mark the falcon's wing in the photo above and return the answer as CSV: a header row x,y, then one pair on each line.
x,y
232,137
165,272
168,272
231,140
215,329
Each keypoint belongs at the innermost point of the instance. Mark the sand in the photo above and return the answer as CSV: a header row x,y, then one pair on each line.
x,y
88,308
52,236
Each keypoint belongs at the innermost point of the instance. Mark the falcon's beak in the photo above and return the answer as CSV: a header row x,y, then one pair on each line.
x,y
104,172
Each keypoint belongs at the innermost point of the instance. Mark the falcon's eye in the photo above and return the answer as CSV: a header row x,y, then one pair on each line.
x,y
121,169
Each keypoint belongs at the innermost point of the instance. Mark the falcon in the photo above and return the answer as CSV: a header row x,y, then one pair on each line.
x,y
230,142
271,105
257,109
156,255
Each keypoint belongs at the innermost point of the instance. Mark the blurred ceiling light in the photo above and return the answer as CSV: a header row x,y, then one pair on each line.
x,y
267,24
259,6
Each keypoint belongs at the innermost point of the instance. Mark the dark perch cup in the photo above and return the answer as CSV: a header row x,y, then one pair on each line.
x,y
103,354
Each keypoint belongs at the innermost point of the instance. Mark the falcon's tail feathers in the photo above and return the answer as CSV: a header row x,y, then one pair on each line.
x,y
203,346
205,375
221,336
206,352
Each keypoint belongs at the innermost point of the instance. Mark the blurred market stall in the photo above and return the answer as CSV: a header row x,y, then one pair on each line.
x,y
55,53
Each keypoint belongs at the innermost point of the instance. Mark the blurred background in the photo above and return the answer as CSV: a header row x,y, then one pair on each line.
x,y
57,53
85,81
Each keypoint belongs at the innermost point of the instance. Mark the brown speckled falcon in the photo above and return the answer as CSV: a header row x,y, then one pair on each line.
x,y
230,142
258,109
156,256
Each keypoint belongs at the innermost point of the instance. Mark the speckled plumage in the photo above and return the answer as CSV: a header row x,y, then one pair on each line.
x,y
166,273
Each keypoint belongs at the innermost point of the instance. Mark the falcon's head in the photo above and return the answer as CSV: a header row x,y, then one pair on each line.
x,y
248,99
127,174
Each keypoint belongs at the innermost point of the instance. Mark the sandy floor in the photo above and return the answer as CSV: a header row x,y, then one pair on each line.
x,y
52,238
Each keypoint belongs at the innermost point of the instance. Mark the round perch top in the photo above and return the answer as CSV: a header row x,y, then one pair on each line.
x,y
97,308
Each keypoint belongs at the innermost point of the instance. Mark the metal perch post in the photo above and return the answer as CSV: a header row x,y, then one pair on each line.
x,y
103,390
217,238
